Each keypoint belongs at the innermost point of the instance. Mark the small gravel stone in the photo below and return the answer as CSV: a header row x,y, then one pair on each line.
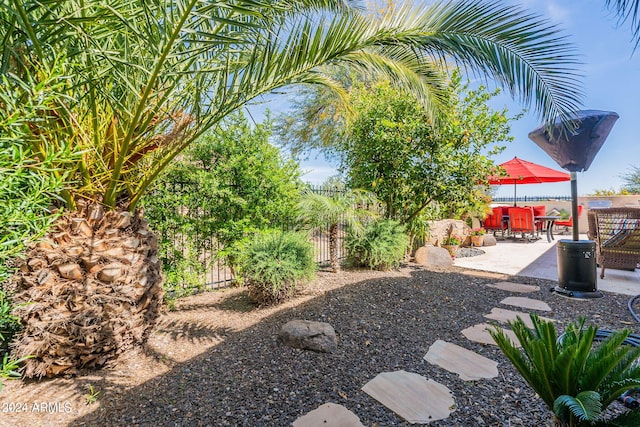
x,y
214,361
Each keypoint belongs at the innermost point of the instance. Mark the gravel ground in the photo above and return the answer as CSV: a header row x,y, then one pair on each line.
x,y
216,360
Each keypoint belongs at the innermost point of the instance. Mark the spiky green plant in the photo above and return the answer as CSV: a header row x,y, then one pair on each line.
x,y
381,245
576,376
276,264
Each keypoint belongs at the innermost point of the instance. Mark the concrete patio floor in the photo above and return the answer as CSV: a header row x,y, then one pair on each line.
x,y
539,259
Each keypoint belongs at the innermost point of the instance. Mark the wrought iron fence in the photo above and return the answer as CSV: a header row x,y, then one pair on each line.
x,y
529,198
179,241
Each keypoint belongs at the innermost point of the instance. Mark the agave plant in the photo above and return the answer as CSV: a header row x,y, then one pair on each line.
x,y
576,376
138,81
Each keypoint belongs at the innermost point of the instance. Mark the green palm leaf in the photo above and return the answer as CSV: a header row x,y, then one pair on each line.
x,y
585,406
143,79
628,10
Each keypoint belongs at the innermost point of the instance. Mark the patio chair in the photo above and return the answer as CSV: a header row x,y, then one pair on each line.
x,y
494,221
566,225
521,221
616,232
540,210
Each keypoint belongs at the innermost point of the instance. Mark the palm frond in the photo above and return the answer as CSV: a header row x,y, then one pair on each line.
x,y
606,358
585,406
523,52
145,79
527,362
628,10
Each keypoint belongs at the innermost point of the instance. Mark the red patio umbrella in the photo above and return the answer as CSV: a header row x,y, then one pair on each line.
x,y
523,172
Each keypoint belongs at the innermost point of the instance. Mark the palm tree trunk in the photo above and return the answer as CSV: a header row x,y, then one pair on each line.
x,y
90,290
333,247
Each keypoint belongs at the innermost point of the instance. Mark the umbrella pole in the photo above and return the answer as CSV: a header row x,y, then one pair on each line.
x,y
514,194
574,205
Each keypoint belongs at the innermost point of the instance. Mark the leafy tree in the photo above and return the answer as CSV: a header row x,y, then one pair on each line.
x,y
141,80
632,181
394,150
328,212
229,184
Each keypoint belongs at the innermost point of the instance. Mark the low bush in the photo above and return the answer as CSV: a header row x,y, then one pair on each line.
x,y
576,376
381,246
275,264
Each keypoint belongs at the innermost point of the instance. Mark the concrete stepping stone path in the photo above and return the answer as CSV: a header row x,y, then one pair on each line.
x,y
469,365
523,302
504,316
485,274
329,415
514,287
411,396
479,333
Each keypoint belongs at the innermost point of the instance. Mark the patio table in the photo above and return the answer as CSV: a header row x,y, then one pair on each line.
x,y
549,221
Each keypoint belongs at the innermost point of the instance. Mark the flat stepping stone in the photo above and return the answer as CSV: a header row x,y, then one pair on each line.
x,y
479,333
504,316
469,365
514,287
329,414
411,396
523,302
485,274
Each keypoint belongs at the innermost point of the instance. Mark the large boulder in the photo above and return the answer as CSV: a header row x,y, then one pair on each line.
x,y
309,335
432,256
438,230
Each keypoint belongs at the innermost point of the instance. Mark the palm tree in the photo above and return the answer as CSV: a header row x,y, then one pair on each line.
x,y
628,10
328,212
138,81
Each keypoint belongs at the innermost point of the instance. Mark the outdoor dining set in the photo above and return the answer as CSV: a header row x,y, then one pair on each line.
x,y
527,221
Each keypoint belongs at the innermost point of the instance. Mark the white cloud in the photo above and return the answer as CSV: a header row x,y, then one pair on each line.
x,y
557,13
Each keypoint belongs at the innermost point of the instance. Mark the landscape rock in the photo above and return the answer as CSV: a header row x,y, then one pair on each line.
x,y
438,230
489,240
433,256
309,335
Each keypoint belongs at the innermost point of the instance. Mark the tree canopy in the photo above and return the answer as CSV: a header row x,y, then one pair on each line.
x,y
228,185
138,81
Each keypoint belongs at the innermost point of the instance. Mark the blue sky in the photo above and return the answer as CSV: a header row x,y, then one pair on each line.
x,y
612,83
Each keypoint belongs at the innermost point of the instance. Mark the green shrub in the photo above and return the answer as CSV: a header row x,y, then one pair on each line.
x,y
381,246
9,324
275,264
575,378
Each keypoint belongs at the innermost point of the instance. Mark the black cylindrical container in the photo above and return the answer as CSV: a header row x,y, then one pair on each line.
x,y
577,275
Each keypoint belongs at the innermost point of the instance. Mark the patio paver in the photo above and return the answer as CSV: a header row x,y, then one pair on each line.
x,y
514,287
502,315
523,302
467,364
479,333
485,274
329,414
411,396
